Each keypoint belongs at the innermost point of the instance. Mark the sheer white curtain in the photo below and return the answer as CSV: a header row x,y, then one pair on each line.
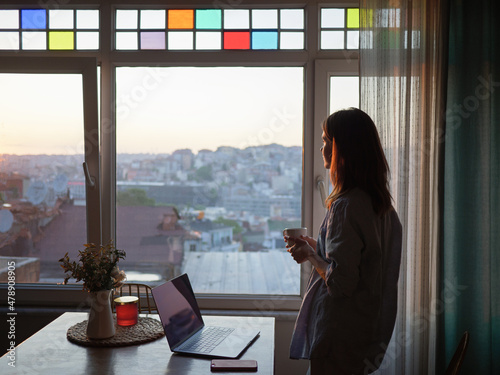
x,y
402,55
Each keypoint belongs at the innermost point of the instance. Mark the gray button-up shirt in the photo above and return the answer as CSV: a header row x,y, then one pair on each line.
x,y
349,318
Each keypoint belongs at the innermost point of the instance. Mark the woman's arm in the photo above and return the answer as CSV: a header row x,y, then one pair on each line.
x,y
319,264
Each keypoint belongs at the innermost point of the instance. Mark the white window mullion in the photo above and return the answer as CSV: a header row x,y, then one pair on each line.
x,y
91,126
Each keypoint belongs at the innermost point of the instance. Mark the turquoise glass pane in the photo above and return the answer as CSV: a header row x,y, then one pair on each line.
x,y
33,19
208,18
264,40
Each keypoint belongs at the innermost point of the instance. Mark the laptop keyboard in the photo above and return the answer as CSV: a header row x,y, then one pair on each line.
x,y
208,339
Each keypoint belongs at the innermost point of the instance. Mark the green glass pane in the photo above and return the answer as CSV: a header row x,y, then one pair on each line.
x,y
353,18
61,40
208,18
388,39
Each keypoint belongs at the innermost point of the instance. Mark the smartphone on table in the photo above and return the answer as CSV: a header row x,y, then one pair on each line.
x,y
242,365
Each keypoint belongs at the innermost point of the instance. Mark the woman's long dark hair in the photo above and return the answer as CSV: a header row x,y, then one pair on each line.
x,y
359,160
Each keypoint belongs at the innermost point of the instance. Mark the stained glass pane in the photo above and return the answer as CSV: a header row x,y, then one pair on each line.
x,y
153,40
34,40
126,19
332,40
236,40
61,19
88,40
367,40
126,40
265,18
9,40
33,19
153,19
264,40
388,39
180,19
87,19
208,40
292,19
208,18
366,17
61,40
415,39
181,40
353,18
291,40
236,19
388,17
353,39
332,18
9,19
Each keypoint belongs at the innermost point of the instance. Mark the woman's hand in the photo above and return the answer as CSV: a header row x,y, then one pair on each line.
x,y
303,248
311,241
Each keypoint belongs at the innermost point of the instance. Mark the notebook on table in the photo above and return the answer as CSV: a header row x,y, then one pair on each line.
x,y
184,327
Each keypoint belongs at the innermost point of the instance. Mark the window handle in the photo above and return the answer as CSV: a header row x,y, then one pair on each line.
x,y
88,178
320,185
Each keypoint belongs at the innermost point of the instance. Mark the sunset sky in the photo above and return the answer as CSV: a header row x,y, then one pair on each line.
x,y
158,110
41,114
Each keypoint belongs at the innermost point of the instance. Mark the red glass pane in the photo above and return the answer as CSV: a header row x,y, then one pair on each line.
x,y
236,40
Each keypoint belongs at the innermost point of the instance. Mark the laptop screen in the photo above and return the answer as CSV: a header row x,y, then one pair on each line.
x,y
178,309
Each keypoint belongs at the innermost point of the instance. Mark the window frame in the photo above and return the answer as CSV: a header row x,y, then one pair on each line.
x,y
317,65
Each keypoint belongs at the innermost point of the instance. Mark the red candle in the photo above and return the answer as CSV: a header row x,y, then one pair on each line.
x,y
126,310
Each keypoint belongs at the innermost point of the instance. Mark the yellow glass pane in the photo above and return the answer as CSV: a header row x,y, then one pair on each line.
x,y
61,40
353,18
180,18
366,18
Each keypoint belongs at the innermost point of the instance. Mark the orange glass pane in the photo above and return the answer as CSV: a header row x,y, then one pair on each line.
x,y
180,18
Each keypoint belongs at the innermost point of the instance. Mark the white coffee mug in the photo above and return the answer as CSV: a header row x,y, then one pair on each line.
x,y
294,232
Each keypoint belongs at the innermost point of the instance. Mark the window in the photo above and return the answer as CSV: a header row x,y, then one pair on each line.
x,y
176,196
42,185
231,181
49,29
50,130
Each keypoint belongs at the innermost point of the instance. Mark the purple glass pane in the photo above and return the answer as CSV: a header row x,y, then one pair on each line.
x,y
152,40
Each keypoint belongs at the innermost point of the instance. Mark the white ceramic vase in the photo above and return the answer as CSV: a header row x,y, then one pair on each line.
x,y
100,323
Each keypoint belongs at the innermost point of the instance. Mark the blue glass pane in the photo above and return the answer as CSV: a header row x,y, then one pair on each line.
x,y
264,40
33,19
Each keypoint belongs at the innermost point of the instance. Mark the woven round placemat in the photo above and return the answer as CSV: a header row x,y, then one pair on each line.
x,y
146,329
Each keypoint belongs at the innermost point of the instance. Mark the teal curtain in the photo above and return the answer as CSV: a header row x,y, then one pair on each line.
x,y
470,262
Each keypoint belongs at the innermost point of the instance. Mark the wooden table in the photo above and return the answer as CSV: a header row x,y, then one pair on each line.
x,y
49,352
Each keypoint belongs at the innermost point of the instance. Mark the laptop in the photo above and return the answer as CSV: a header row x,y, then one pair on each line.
x,y
184,328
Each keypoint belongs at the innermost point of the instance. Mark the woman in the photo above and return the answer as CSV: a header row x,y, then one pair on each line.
x,y
348,312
